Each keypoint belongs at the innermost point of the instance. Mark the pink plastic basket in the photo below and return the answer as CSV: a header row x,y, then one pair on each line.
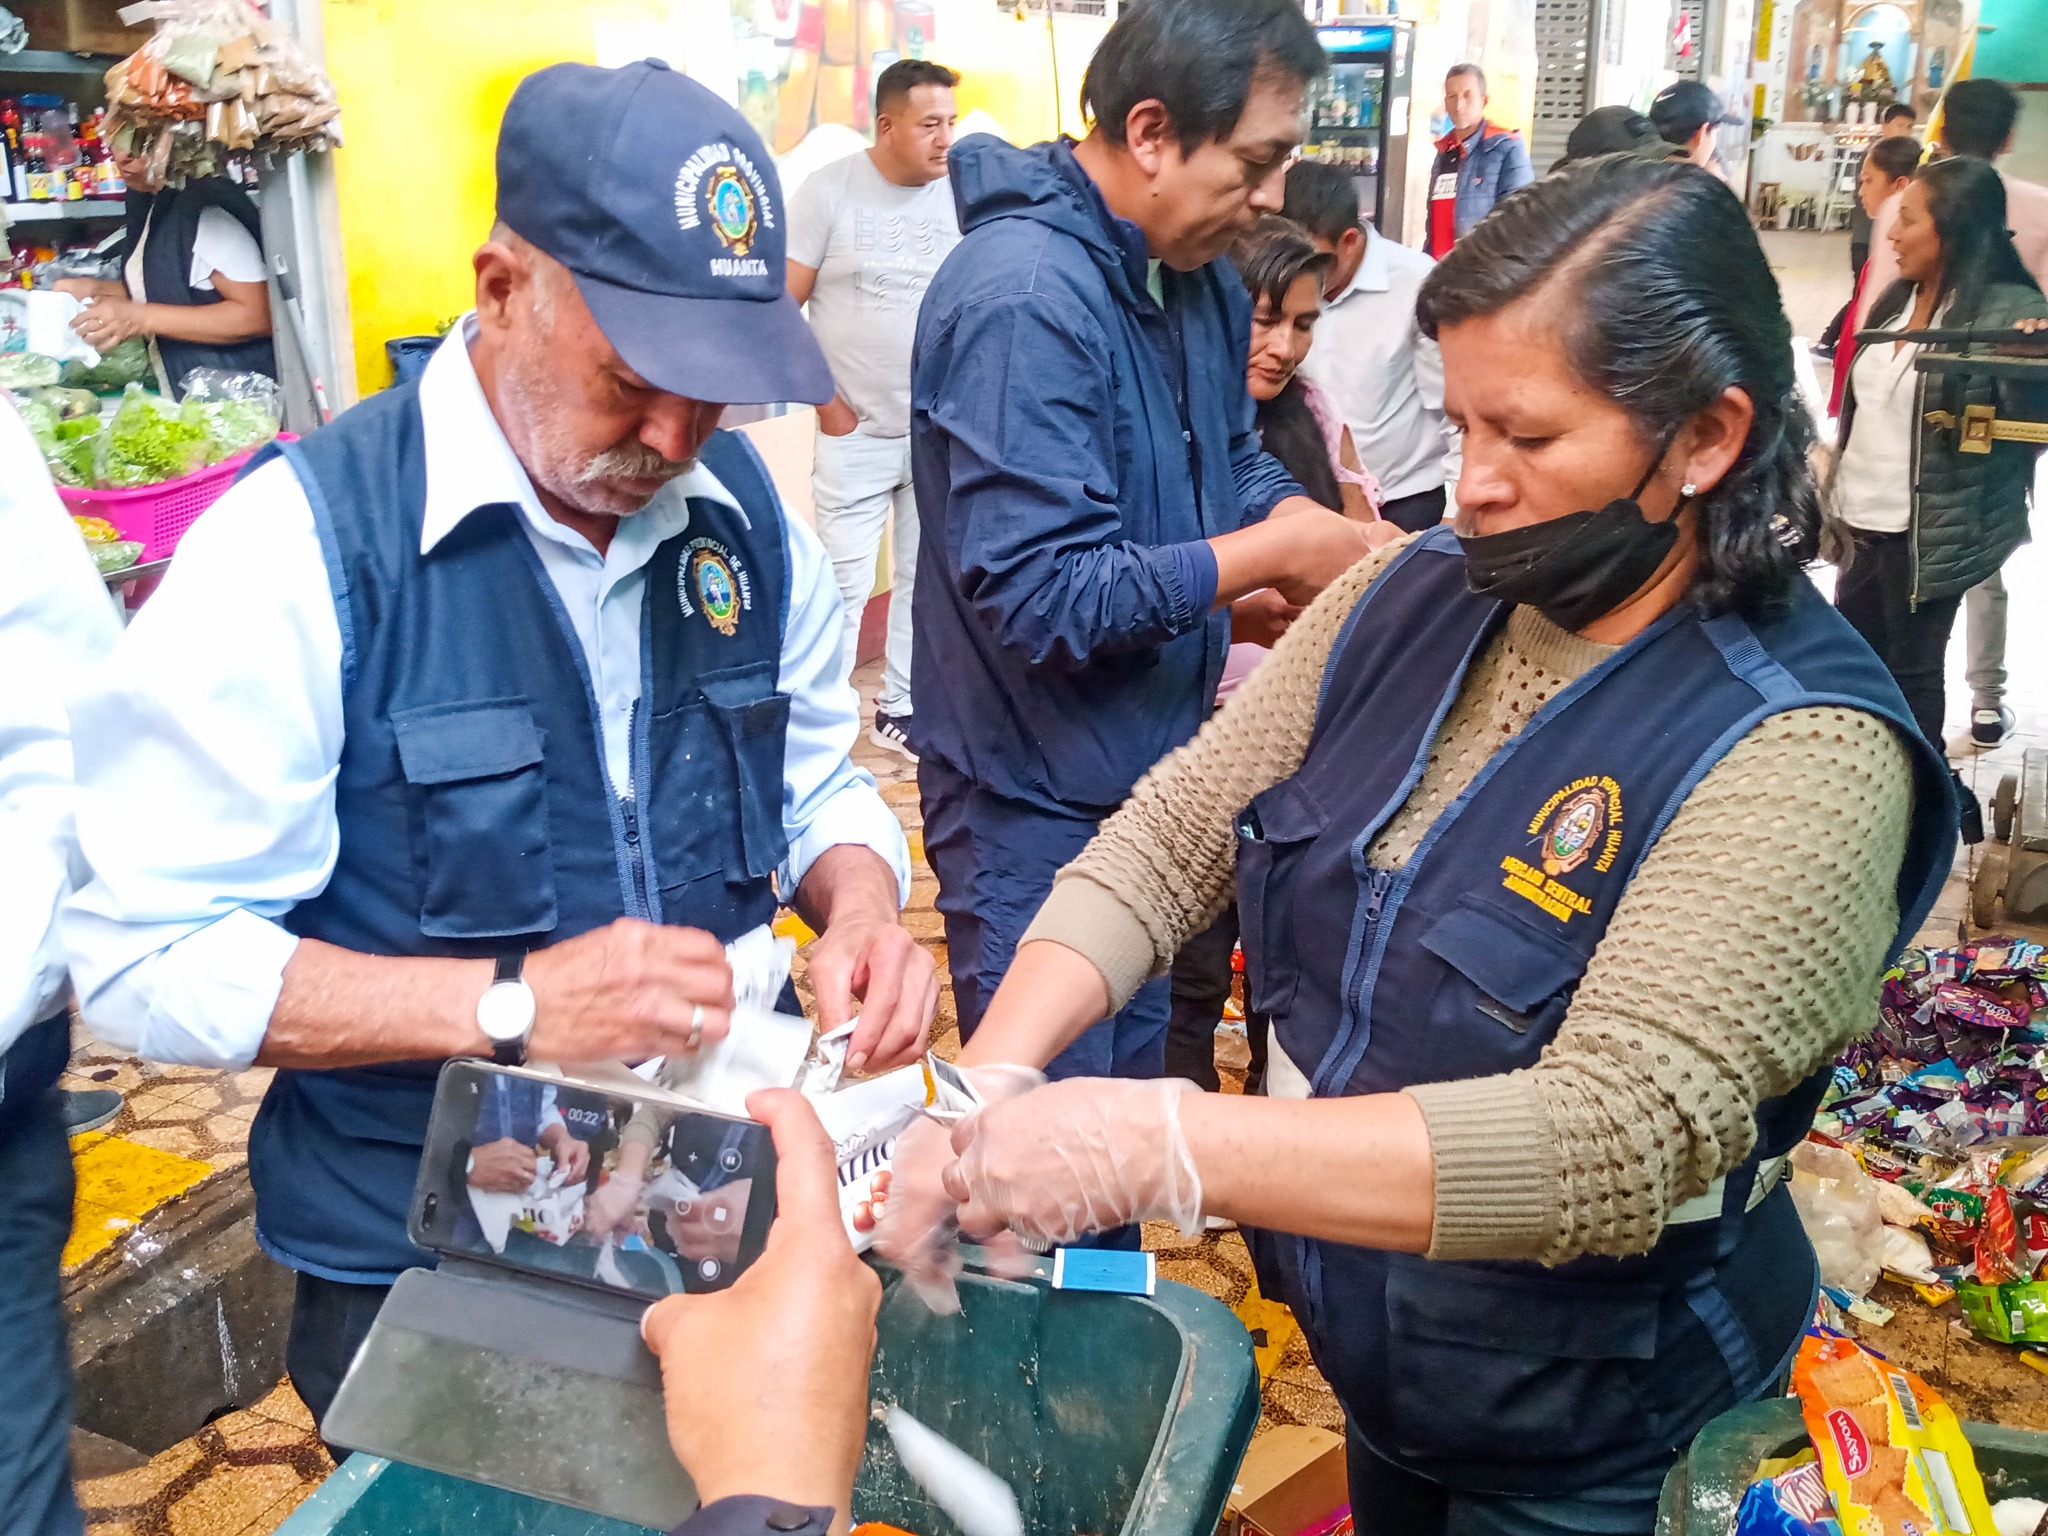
x,y
158,515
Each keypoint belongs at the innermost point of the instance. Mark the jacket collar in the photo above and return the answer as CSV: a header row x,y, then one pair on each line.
x,y
471,466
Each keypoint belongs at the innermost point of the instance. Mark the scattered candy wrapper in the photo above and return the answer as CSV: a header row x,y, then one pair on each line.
x,y
1891,1451
2014,1313
1793,1503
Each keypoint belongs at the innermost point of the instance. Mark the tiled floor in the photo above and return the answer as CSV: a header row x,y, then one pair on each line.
x,y
239,1476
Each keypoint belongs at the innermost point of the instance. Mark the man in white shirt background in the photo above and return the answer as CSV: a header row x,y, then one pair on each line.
x,y
56,621
483,718
1385,375
866,233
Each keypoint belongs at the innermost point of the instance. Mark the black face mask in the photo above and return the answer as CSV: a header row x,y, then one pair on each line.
x,y
1577,567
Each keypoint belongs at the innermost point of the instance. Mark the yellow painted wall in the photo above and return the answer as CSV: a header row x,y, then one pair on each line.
x,y
423,86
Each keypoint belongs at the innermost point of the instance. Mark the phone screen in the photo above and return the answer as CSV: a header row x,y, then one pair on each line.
x,y
600,1188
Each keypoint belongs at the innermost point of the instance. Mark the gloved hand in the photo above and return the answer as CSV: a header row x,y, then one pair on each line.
x,y
1080,1156
920,1230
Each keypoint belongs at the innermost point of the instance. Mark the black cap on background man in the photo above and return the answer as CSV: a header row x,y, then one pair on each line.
x,y
665,207
1615,131
1685,112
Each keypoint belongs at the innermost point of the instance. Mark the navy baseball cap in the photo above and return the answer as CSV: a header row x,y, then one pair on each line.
x,y
1684,107
664,206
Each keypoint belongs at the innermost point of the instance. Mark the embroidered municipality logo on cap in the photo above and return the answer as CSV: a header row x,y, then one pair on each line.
x,y
664,205
719,186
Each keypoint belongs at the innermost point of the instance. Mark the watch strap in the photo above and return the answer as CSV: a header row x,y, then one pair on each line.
x,y
510,1053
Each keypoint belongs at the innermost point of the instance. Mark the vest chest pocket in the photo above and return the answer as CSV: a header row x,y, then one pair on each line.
x,y
1504,971
718,779
1274,834
480,795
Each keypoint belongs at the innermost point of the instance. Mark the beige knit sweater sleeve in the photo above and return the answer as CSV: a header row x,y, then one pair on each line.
x,y
1744,955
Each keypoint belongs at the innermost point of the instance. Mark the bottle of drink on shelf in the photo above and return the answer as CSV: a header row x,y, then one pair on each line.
x,y
17,161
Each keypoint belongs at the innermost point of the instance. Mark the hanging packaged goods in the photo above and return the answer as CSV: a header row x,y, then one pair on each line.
x,y
216,80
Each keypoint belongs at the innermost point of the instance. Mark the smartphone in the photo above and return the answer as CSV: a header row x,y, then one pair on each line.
x,y
630,1192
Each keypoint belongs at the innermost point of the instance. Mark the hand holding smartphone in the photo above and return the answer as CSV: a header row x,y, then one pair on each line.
x,y
635,1193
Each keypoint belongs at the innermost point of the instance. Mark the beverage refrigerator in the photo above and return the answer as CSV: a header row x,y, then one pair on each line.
x,y
1359,114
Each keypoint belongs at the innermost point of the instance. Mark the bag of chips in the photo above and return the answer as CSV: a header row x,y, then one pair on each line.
x,y
1891,1450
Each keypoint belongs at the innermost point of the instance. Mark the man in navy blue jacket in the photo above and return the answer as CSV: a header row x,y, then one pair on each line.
x,y
1096,511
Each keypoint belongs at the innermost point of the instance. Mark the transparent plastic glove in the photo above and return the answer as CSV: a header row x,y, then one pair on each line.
x,y
1071,1158
920,1229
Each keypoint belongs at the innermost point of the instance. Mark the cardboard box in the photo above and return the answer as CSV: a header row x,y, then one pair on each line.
x,y
79,26
1293,1479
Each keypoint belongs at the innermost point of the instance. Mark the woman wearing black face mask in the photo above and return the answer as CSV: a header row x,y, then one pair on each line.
x,y
1569,847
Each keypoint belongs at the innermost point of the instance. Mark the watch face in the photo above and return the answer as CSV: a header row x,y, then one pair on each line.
x,y
505,1011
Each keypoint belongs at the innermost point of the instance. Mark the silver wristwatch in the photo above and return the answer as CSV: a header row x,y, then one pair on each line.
x,y
505,1012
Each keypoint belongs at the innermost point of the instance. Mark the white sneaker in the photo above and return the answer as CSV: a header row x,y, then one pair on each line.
x,y
893,733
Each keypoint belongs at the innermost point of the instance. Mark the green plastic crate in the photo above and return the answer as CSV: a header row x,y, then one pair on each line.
x,y
1107,1414
1702,1493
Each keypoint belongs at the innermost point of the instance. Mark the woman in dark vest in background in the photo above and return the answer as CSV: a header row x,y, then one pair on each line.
x,y
1570,843
193,279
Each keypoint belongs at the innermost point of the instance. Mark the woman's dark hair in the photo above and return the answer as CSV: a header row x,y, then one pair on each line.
x,y
1197,58
1966,200
1664,301
1272,256
1896,157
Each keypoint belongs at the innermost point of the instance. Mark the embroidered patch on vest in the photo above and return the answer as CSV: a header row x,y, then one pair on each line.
x,y
1579,823
718,580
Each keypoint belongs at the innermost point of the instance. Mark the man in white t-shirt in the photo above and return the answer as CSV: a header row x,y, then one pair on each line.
x,y
865,236
1385,375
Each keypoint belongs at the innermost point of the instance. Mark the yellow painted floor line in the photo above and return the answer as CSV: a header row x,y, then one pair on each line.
x,y
120,1182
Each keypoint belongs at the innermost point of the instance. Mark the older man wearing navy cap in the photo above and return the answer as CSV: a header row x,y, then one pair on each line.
x,y
478,722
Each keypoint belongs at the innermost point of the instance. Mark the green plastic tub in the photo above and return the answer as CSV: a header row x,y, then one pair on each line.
x,y
1701,1494
1107,1414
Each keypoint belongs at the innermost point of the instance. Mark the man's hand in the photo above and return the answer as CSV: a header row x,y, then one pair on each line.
x,y
1298,549
1320,546
836,418
108,321
1261,618
572,1157
628,990
862,951
1379,533
766,1383
502,1167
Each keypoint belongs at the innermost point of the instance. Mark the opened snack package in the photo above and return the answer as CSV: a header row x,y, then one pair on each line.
x,y
1892,1452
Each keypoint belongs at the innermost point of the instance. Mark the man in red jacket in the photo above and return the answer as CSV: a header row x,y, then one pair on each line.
x,y
1477,163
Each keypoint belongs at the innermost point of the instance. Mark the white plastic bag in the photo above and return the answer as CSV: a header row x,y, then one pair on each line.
x,y
1838,1205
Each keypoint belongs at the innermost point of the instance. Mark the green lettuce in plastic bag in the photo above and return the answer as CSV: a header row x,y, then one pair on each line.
x,y
231,426
126,363
148,443
28,370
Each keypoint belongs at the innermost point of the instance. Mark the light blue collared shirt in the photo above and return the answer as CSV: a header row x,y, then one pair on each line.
x,y
56,622
208,744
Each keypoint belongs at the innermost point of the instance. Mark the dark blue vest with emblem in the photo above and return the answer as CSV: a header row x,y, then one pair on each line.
x,y
1511,1377
476,815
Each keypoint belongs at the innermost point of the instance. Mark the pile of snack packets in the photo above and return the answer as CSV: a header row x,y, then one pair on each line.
x,y
1948,1101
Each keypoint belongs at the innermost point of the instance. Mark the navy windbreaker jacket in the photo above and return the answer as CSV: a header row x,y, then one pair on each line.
x,y
1066,433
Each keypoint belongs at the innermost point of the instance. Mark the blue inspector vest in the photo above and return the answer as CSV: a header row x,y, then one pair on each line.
x,y
476,815
1511,1377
